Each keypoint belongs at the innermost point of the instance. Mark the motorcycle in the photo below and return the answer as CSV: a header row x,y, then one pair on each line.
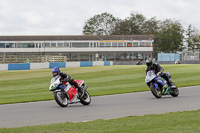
x,y
159,86
65,94
138,63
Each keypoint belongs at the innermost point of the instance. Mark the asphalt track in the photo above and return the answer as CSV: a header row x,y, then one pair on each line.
x,y
101,107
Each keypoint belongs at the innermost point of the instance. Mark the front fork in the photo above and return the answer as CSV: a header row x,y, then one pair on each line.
x,y
85,87
165,89
162,89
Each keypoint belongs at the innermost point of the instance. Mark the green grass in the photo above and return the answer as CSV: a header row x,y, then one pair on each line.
x,y
32,85
178,122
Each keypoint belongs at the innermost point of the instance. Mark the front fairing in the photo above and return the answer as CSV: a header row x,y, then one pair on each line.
x,y
150,76
54,79
163,83
159,81
55,83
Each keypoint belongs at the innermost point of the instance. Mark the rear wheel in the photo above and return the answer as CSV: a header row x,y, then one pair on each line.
x,y
156,92
174,92
86,99
61,98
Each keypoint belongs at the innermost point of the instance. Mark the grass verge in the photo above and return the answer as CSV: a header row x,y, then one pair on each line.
x,y
32,85
177,122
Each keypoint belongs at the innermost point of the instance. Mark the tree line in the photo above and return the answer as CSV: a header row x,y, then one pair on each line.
x,y
170,35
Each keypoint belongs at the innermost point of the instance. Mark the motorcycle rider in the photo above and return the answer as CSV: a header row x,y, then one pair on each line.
x,y
158,70
67,78
138,62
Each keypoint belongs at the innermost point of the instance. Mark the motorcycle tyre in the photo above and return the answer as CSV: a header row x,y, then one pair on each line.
x,y
82,100
175,92
58,101
153,91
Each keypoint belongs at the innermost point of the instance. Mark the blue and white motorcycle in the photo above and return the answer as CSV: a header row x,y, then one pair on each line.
x,y
159,86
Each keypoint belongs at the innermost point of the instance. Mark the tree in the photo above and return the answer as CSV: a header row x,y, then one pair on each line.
x,y
122,28
136,23
151,26
192,38
102,24
131,25
170,36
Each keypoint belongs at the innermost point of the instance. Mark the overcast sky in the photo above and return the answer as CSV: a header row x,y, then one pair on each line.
x,y
67,17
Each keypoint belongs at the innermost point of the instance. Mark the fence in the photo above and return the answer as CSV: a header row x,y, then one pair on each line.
x,y
190,55
168,57
32,58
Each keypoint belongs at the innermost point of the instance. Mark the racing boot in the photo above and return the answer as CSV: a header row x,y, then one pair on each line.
x,y
171,84
80,90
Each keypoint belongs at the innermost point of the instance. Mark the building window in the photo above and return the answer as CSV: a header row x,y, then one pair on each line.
x,y
142,44
25,45
114,44
110,57
135,44
129,56
9,45
140,56
91,45
47,44
74,57
80,44
101,44
38,45
95,44
148,44
2,45
120,44
60,44
119,56
102,57
108,44
53,44
129,44
66,44
83,57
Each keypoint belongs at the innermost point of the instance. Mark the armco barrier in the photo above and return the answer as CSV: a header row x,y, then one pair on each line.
x,y
98,63
28,66
106,63
23,66
86,63
39,65
72,64
3,66
58,64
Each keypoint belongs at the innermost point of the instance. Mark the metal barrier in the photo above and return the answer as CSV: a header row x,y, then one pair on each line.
x,y
32,59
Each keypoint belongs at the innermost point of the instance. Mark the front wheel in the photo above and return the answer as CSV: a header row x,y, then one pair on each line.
x,y
61,98
86,99
157,93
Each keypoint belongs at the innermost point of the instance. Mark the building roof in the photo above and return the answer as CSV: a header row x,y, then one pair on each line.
x,y
75,37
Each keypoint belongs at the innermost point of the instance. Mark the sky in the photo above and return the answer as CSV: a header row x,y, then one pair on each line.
x,y
67,17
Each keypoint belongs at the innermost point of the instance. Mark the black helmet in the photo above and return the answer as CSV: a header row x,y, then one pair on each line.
x,y
149,62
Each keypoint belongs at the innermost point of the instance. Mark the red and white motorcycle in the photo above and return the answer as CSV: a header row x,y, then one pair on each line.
x,y
65,94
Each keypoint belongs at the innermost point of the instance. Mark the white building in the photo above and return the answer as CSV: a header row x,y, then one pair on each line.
x,y
80,47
